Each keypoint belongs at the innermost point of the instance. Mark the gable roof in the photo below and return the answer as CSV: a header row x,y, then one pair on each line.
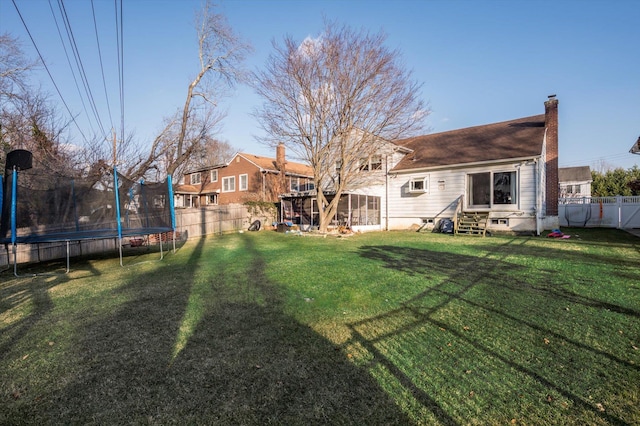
x,y
574,174
269,164
635,149
520,138
263,163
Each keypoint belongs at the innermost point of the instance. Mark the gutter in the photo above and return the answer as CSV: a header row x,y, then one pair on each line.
x,y
464,165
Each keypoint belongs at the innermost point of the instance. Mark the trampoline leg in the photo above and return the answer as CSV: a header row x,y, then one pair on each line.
x,y
67,271
120,250
161,253
15,261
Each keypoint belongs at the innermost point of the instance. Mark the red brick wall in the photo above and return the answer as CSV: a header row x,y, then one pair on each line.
x,y
553,184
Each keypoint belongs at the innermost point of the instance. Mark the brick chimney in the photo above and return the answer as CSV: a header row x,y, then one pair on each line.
x,y
551,124
280,158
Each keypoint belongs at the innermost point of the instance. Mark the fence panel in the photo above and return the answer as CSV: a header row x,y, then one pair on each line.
x,y
607,212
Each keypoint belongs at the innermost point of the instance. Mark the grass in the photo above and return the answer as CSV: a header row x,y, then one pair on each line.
x,y
380,328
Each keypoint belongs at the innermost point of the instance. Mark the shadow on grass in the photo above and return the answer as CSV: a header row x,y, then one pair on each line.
x,y
30,290
243,361
478,316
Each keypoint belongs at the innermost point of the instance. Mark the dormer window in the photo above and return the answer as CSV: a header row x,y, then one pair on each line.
x,y
372,163
376,162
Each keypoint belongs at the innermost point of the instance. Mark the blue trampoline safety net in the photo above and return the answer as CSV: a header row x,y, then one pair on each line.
x,y
38,207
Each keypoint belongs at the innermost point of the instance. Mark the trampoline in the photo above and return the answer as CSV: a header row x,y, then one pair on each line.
x,y
40,206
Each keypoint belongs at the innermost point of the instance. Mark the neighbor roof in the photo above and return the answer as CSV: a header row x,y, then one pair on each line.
x,y
267,163
574,174
521,138
635,149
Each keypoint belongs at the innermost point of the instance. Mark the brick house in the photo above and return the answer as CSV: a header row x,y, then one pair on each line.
x,y
246,177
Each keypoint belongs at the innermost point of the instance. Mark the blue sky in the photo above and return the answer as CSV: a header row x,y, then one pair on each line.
x,y
480,62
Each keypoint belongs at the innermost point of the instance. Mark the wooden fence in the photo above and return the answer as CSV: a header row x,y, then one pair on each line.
x,y
190,223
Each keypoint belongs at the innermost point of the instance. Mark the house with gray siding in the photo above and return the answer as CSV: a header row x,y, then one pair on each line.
x,y
507,171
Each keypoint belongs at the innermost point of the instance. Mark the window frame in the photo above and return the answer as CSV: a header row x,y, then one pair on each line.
x,y
192,178
213,175
514,184
229,184
423,180
243,186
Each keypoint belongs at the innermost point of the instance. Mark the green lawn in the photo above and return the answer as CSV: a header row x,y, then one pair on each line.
x,y
372,329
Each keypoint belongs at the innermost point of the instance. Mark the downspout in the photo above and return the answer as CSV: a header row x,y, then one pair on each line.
x,y
537,208
386,193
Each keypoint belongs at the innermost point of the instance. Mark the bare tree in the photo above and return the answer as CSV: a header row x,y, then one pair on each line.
x,y
14,69
28,120
221,54
333,101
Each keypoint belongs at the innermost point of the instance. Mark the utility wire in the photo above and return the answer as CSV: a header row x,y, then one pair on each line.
x,y
120,45
47,69
73,73
80,66
104,82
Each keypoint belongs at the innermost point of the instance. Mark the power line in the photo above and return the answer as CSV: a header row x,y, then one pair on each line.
x,y
80,66
73,74
47,69
104,82
120,45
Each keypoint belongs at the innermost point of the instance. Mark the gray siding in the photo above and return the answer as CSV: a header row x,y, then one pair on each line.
x,y
445,187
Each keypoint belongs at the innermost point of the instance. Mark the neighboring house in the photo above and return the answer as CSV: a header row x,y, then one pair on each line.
x,y
635,149
246,177
507,172
575,182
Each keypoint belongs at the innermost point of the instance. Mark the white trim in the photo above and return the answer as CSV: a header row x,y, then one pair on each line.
x,y
419,185
244,187
230,181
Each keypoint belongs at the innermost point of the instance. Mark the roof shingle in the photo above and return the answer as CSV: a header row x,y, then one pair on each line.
x,y
518,138
574,174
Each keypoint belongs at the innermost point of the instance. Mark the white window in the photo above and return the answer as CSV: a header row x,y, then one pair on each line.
x,y
372,163
192,201
376,162
214,175
294,184
195,178
419,185
244,182
212,199
364,164
492,188
229,184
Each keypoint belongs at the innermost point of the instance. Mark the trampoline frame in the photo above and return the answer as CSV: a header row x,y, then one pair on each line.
x,y
81,235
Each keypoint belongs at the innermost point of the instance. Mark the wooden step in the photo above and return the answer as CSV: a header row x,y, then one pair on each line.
x,y
472,223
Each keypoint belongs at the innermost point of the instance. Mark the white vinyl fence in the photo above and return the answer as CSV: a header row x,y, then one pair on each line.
x,y
607,212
